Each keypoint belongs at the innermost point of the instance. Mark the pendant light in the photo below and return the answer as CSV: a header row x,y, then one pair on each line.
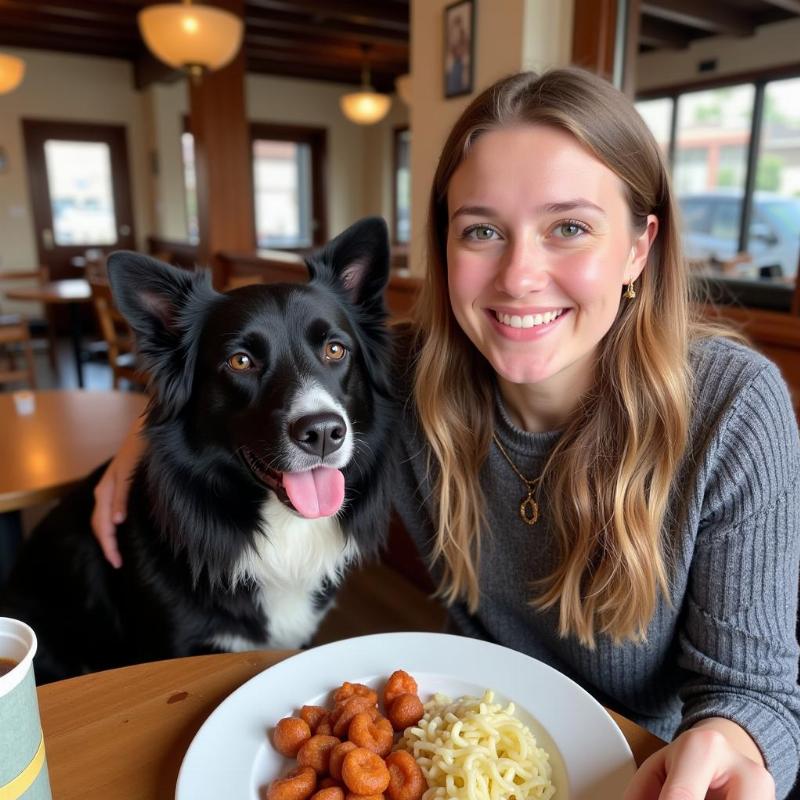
x,y
12,71
191,36
366,106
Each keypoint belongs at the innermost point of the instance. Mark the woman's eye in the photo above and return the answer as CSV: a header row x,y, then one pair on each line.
x,y
335,351
570,230
480,233
240,362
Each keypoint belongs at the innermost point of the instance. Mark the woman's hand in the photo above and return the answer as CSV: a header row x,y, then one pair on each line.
x,y
714,760
111,495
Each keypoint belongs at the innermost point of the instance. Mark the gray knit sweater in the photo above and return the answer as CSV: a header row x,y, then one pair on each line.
x,y
727,647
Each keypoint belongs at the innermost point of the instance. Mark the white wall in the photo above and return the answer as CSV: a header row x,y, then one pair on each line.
x,y
169,104
775,45
75,88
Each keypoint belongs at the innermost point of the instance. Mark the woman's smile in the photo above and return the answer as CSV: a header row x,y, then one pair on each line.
x,y
525,324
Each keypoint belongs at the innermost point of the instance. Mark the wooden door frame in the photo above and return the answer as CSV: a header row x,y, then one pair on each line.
x,y
36,132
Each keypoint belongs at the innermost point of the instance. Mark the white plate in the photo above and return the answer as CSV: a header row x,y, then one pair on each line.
x,y
231,757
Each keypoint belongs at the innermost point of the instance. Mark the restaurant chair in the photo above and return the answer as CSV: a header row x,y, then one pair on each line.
x,y
114,329
40,276
15,342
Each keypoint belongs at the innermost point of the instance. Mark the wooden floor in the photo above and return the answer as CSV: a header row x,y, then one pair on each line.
x,y
373,599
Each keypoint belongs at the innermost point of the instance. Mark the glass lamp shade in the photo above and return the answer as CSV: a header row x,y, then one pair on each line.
x,y
185,35
12,71
365,107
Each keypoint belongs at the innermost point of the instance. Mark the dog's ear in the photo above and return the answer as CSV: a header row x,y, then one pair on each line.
x,y
357,260
165,307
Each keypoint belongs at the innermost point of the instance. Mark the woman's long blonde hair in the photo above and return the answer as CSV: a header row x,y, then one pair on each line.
x,y
607,482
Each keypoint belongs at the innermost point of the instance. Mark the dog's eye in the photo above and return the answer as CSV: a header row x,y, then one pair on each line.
x,y
240,362
335,351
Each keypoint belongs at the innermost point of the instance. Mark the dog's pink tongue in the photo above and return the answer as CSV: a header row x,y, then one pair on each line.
x,y
316,493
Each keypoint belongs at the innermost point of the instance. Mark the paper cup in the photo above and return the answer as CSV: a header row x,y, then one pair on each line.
x,y
25,402
23,766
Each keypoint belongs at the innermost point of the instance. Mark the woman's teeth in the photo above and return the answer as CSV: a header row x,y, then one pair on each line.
x,y
529,320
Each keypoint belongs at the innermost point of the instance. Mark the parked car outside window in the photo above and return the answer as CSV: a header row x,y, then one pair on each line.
x,y
711,231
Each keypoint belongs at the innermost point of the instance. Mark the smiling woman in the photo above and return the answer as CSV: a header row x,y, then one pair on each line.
x,y
555,311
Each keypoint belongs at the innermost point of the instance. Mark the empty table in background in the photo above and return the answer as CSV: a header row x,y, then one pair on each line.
x,y
71,293
45,452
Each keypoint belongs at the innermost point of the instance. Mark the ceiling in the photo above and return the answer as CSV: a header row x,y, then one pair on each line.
x,y
673,24
315,39
325,39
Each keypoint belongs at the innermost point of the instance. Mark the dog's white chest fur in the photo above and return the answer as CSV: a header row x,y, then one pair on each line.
x,y
292,561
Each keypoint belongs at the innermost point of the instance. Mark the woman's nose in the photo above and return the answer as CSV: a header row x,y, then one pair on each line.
x,y
522,270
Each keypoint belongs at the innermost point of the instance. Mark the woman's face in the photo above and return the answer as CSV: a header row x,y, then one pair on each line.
x,y
539,247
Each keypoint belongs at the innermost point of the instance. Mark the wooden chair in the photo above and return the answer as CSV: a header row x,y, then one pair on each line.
x,y
15,340
114,329
39,276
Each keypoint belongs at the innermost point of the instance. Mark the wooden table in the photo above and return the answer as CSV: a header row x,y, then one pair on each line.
x,y
69,433
122,734
72,293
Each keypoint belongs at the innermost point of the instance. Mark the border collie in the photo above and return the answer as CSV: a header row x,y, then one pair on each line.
x,y
266,473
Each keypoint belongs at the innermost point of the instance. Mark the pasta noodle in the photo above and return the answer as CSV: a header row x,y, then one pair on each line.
x,y
475,749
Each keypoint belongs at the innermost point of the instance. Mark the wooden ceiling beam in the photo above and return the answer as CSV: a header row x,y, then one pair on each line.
x,y
366,13
261,19
97,10
792,6
12,37
706,15
350,68
662,35
383,82
317,49
48,25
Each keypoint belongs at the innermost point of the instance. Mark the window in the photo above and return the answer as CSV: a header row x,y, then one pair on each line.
x,y
282,188
658,116
190,186
775,234
81,193
288,179
734,153
402,185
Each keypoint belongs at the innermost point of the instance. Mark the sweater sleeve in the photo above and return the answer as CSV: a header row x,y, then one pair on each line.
x,y
738,640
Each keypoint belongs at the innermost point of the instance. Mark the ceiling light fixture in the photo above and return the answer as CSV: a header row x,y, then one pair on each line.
x,y
197,38
366,106
12,71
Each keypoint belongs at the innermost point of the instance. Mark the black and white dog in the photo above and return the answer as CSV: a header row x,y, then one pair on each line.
x,y
266,472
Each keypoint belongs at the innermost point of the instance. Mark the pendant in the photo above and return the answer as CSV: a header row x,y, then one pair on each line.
x,y
529,510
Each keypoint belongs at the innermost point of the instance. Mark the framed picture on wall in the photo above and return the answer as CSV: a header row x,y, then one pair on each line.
x,y
459,48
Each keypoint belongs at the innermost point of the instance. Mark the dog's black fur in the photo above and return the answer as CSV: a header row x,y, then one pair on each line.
x,y
196,525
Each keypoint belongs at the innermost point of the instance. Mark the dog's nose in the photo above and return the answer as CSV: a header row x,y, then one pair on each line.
x,y
318,434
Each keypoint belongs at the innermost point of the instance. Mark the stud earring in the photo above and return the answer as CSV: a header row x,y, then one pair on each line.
x,y
630,292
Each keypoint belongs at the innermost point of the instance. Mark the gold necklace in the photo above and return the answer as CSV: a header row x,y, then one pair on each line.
x,y
528,507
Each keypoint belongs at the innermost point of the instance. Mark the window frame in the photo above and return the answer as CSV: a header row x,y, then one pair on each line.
x,y
756,294
397,131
